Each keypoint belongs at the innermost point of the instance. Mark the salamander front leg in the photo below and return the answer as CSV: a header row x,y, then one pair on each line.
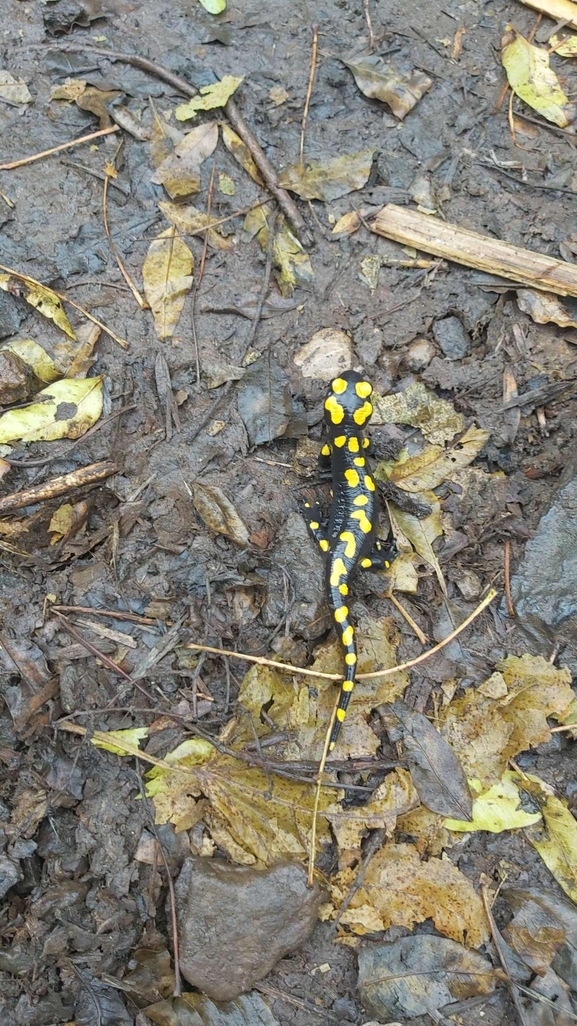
x,y
381,557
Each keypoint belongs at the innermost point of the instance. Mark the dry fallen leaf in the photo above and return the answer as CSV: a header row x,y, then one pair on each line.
x,y
180,171
533,80
40,297
133,735
241,153
327,354
213,6
436,418
210,97
65,409
421,532
348,224
434,464
398,889
394,797
329,179
496,809
188,219
164,137
70,89
293,263
14,90
218,513
379,81
564,46
167,278
24,366
544,308
556,838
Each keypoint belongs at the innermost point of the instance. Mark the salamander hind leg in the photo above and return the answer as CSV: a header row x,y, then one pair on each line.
x,y
381,557
315,522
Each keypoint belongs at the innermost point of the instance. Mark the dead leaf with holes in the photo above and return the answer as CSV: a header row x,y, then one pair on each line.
x,y
329,179
556,838
436,418
533,80
189,220
64,409
14,90
209,97
435,464
398,889
379,80
167,278
219,514
396,796
40,297
544,308
179,172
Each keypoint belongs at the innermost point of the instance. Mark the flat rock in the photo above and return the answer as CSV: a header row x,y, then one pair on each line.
x,y
235,923
452,336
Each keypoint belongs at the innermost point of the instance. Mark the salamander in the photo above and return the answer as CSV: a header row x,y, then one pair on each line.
x,y
348,538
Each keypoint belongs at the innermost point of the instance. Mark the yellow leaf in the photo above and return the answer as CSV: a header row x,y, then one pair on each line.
x,y
35,357
565,47
532,80
40,297
556,840
396,796
348,224
61,522
179,172
434,465
421,533
329,179
497,809
294,266
167,277
133,737
226,185
65,409
398,889
241,153
188,219
214,6
211,96
436,418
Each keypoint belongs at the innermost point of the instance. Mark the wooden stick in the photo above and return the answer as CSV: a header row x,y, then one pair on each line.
x,y
558,10
58,486
451,242
58,149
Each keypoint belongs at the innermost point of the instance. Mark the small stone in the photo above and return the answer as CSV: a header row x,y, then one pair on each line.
x,y
235,923
452,337
419,354
469,585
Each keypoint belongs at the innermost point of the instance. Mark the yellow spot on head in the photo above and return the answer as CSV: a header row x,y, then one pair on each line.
x,y
324,545
314,525
366,563
366,443
350,659
326,450
363,389
339,386
353,444
359,461
341,715
361,415
352,478
341,614
347,636
360,500
347,685
344,588
369,483
351,546
335,409
340,441
338,570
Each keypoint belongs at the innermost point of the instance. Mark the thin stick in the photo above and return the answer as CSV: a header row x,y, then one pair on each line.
x,y
58,486
264,287
369,24
407,616
507,568
139,299
114,614
100,655
58,149
65,299
498,941
305,671
322,763
312,73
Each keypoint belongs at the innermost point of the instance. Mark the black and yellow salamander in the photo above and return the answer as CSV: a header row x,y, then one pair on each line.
x,y
349,537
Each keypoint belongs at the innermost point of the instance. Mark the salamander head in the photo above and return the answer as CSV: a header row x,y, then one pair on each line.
x,y
347,404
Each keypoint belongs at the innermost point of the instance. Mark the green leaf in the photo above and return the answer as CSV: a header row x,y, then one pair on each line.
x,y
214,6
497,809
211,96
133,736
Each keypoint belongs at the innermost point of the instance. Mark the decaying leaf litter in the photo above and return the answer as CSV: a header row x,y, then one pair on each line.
x,y
459,766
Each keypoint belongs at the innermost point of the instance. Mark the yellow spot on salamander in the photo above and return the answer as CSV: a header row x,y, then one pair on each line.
x,y
364,522
366,443
324,545
347,685
307,505
344,588
351,546
366,563
347,636
361,500
326,450
340,441
350,659
338,570
352,478
363,389
314,525
339,386
341,715
359,461
335,409
363,413
353,444
341,614
369,483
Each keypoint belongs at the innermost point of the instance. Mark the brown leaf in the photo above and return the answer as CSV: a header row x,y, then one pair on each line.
x,y
544,308
380,81
396,796
180,171
437,773
329,179
188,219
219,514
241,153
167,278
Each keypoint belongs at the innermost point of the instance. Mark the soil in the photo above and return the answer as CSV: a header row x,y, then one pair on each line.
x,y
81,901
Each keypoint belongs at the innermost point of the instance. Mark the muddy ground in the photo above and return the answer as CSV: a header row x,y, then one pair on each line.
x,y
80,902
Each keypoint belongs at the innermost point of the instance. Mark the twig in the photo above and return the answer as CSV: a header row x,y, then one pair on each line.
x,y
407,616
498,942
265,285
59,486
307,1006
65,299
507,560
233,114
139,299
369,24
312,73
58,149
306,671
